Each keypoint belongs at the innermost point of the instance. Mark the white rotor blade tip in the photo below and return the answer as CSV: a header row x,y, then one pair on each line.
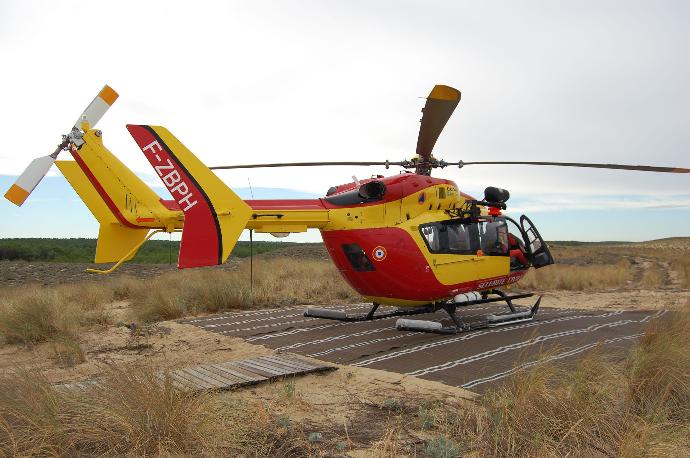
x,y
98,106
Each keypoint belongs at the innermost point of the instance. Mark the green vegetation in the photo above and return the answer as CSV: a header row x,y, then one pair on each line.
x,y
83,250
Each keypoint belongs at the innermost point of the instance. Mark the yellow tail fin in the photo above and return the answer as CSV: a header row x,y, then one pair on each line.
x,y
114,239
214,216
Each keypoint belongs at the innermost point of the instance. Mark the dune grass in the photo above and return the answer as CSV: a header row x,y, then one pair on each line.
x,y
573,277
637,407
32,314
132,412
681,264
277,282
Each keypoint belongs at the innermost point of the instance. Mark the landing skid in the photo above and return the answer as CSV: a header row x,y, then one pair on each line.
x,y
490,321
339,315
499,319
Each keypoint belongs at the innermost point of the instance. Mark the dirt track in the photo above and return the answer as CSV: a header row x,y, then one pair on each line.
x,y
472,360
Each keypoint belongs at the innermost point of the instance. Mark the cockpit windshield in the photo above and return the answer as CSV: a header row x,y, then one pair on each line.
x,y
452,236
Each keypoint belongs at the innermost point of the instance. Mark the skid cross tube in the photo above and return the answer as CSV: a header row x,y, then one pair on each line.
x,y
459,325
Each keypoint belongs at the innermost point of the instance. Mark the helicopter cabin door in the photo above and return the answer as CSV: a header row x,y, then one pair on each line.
x,y
539,252
464,252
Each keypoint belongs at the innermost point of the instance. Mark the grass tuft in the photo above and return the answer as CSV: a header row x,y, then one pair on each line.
x,y
277,281
36,315
659,371
132,412
442,447
579,277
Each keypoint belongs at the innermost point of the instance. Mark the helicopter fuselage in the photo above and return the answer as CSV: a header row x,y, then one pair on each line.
x,y
374,231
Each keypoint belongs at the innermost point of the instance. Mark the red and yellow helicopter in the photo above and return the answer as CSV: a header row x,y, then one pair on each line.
x,y
409,240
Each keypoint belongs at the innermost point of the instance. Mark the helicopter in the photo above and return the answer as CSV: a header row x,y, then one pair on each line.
x,y
411,241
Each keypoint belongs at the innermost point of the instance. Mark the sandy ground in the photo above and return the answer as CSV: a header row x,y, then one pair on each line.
x,y
335,398
618,300
348,405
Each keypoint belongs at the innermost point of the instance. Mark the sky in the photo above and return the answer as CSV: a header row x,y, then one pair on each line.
x,y
246,82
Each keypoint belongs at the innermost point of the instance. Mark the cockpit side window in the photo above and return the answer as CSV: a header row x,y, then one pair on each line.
x,y
454,237
494,237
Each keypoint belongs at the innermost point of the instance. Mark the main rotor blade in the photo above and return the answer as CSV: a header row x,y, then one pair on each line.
x,y
642,168
98,106
438,108
299,164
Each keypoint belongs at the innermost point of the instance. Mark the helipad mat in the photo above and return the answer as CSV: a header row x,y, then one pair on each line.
x,y
471,360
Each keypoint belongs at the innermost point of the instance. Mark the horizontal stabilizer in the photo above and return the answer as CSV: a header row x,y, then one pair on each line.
x,y
115,242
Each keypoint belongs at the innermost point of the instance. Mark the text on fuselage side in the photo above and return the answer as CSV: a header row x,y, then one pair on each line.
x,y
170,176
499,281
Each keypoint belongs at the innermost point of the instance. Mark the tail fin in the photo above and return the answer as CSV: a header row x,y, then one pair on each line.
x,y
114,239
123,204
214,215
131,201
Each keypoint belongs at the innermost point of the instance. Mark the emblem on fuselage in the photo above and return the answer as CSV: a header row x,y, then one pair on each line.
x,y
379,253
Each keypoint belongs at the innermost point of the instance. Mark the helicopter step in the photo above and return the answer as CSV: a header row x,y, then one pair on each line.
x,y
493,320
339,315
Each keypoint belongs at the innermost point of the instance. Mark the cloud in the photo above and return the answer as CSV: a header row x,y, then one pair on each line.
x,y
247,82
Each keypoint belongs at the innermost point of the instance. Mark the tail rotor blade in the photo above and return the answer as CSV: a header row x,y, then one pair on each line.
x,y
438,108
98,106
34,173
28,180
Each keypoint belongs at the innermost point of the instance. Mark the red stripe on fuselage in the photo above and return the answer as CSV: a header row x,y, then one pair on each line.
x,y
101,192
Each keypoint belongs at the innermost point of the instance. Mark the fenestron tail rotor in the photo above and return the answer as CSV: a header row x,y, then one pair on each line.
x,y
38,168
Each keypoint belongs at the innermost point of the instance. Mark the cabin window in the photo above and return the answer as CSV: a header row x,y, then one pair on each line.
x,y
494,237
358,258
454,237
